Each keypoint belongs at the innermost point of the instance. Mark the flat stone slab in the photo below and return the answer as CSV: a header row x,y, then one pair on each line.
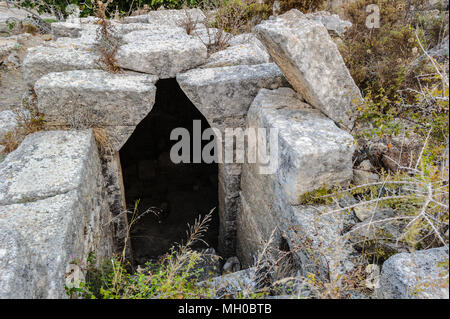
x,y
163,58
52,203
95,98
419,275
313,151
241,54
155,33
175,17
311,62
44,165
227,92
58,57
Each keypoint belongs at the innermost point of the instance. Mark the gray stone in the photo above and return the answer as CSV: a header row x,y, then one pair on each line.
x,y
8,121
154,32
311,62
313,151
143,18
52,199
175,18
42,60
241,282
227,92
243,54
66,29
164,58
418,275
6,46
94,98
15,275
334,24
378,233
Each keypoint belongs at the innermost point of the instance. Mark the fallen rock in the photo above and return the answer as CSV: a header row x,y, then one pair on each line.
x,y
334,24
378,233
155,32
163,58
418,275
311,62
95,98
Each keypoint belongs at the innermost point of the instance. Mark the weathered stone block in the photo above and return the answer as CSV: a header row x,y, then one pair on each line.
x,y
313,152
311,62
52,199
227,92
42,60
95,98
164,58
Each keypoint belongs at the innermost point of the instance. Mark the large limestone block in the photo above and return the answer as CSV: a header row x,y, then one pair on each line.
x,y
419,275
311,62
313,152
227,92
154,33
176,18
243,54
95,98
108,99
52,199
8,121
164,58
42,60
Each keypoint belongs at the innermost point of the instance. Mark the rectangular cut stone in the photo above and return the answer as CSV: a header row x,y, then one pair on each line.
x,y
227,92
164,58
42,60
311,62
52,204
107,99
176,17
312,152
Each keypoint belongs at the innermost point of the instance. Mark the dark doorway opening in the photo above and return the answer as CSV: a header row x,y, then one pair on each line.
x,y
181,191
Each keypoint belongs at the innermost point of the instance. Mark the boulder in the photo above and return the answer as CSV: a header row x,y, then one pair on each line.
x,y
419,275
311,62
95,98
163,58
240,282
51,202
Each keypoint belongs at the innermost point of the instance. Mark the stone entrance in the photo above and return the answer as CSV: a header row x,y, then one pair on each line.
x,y
169,195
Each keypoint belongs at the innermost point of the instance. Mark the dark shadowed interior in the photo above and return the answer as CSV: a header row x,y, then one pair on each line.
x,y
176,193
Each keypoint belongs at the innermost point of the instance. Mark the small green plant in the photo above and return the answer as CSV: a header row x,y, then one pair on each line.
x,y
175,275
